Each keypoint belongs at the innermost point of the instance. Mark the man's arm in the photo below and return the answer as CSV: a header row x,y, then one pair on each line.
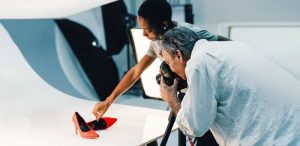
x,y
199,106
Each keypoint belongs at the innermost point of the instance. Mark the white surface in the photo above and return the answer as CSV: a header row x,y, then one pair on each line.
x,y
148,77
150,130
278,41
33,113
36,9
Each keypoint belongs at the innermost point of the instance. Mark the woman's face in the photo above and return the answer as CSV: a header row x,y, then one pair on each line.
x,y
147,31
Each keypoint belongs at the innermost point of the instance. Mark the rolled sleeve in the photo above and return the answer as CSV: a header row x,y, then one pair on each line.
x,y
150,51
199,106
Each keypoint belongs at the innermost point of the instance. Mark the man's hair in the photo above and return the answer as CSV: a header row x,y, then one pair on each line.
x,y
156,12
179,38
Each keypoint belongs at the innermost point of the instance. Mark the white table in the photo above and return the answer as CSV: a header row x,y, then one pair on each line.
x,y
39,9
33,113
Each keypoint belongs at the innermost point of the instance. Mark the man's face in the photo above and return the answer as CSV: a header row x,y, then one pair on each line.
x,y
147,31
177,63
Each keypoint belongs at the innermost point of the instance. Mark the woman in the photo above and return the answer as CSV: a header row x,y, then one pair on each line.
x,y
154,17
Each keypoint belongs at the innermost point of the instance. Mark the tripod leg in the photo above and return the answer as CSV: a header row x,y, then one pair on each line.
x,y
172,118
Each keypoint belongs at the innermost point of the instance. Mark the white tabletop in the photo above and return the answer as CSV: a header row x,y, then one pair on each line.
x,y
33,113
37,9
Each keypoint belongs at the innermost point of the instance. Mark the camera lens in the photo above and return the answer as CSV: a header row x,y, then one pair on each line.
x,y
169,76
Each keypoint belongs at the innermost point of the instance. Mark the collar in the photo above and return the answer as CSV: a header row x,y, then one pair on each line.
x,y
200,43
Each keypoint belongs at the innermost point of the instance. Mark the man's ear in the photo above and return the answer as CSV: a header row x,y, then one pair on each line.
x,y
179,56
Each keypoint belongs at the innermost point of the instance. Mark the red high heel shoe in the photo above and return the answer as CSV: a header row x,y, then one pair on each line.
x,y
82,127
103,123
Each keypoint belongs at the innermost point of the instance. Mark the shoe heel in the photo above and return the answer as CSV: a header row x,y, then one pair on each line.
x,y
82,128
76,130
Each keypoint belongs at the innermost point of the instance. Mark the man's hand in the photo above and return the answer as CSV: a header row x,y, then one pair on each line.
x,y
169,94
100,108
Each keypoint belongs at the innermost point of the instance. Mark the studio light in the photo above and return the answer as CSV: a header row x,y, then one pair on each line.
x,y
140,46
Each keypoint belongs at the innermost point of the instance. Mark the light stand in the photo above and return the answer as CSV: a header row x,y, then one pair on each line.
x,y
130,23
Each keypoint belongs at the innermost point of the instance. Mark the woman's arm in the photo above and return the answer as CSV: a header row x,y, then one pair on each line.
x,y
127,81
131,77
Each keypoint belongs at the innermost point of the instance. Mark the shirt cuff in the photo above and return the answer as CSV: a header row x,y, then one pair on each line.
x,y
182,123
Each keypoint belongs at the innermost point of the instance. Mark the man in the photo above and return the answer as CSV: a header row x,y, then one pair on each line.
x,y
240,95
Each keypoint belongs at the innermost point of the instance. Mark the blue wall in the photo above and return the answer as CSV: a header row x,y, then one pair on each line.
x,y
35,38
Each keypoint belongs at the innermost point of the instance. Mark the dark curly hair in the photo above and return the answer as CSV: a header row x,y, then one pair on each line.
x,y
156,13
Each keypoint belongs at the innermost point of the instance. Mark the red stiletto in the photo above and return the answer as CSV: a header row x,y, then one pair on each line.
x,y
103,123
82,127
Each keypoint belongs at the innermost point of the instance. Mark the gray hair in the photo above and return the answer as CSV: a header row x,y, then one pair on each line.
x,y
179,38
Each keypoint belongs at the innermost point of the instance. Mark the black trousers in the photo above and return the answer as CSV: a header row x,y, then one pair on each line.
x,y
206,140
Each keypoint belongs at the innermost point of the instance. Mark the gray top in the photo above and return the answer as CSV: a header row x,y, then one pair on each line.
x,y
154,48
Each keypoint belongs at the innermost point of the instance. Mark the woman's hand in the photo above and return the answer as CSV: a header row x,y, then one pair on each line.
x,y
100,108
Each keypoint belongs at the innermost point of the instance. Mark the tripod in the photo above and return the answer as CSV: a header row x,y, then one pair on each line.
x,y
172,117
206,139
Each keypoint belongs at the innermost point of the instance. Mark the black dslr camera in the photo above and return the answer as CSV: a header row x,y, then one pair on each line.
x,y
169,77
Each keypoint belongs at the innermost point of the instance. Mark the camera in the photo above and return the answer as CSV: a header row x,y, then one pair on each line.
x,y
169,77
